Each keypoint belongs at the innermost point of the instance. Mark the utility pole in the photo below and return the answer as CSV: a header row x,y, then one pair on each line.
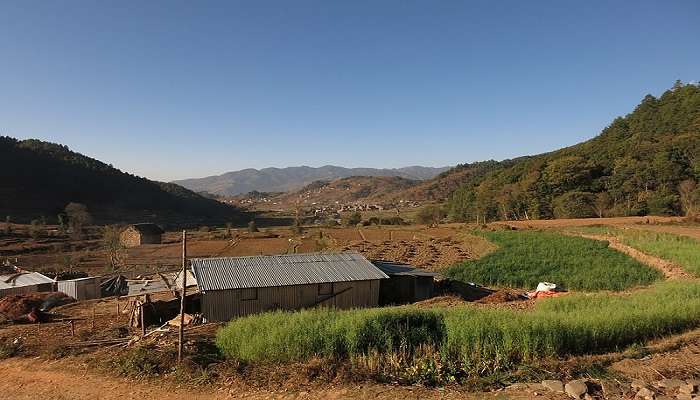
x,y
183,295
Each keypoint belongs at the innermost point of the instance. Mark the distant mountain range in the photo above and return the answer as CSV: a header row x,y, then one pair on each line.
x,y
293,178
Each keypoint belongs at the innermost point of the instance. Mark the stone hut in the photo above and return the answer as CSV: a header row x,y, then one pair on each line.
x,y
138,234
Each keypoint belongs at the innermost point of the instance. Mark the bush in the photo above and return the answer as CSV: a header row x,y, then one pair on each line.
x,y
525,258
393,221
352,219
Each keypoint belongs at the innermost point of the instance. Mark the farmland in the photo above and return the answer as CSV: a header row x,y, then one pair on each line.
x,y
616,304
526,258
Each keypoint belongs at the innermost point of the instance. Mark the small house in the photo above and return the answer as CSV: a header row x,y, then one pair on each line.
x,y
138,234
238,286
406,284
81,288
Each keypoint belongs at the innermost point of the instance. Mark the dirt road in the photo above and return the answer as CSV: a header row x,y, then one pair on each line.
x,y
35,379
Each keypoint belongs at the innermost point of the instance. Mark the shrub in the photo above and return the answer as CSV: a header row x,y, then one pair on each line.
x,y
352,219
525,258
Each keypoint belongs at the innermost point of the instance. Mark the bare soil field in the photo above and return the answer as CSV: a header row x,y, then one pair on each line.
x,y
433,248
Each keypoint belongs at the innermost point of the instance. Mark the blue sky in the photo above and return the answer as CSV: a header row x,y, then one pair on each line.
x,y
179,89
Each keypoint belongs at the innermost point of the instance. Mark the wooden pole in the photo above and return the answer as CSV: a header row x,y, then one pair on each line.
x,y
183,296
143,317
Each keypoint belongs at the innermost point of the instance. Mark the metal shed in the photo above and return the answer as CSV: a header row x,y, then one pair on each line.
x,y
406,284
237,286
81,288
24,282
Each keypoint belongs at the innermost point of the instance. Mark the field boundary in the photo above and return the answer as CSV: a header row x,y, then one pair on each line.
x,y
670,269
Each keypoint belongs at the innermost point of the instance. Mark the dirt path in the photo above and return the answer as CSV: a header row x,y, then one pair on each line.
x,y
36,379
668,268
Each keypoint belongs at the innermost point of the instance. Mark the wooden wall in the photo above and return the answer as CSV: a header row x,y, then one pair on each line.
x,y
223,305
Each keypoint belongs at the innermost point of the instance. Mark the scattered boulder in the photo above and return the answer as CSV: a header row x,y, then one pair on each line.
x,y
576,389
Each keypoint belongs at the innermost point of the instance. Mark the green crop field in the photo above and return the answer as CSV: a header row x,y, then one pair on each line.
x,y
683,250
525,258
468,340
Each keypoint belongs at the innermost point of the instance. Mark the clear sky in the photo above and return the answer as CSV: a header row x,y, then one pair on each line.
x,y
179,89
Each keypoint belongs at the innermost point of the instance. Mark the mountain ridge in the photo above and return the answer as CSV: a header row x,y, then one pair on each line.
x,y
275,179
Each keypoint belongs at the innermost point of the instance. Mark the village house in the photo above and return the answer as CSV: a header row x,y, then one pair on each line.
x,y
139,234
237,286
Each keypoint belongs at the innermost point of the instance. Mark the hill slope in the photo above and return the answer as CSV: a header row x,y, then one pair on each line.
x,y
293,178
40,179
634,167
355,189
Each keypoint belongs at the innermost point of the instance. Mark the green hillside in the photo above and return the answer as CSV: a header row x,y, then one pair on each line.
x,y
40,179
634,167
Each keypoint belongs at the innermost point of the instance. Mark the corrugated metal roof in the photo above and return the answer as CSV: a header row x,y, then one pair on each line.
x,y
23,279
392,268
282,270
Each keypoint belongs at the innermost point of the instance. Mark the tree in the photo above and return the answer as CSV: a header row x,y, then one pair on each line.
x,y
62,223
35,229
352,219
228,229
252,227
602,203
111,243
430,215
689,197
8,225
78,218
574,205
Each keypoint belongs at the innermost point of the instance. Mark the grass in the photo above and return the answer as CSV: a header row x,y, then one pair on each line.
x,y
682,250
465,341
525,258
299,335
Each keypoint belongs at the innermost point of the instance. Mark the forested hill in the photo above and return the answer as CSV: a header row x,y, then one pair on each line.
x,y
39,179
634,167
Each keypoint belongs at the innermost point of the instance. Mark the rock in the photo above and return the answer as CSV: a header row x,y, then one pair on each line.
x,y
576,389
685,396
687,388
612,389
554,386
645,394
671,383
